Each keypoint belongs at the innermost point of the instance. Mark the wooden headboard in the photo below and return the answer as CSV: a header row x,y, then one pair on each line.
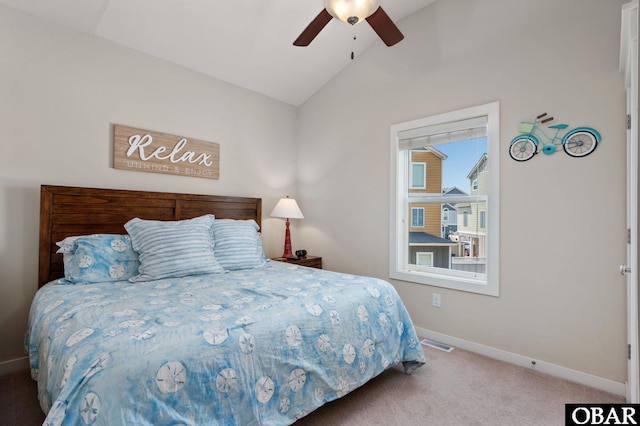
x,y
68,211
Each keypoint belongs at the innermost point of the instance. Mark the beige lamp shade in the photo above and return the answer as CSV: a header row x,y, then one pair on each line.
x,y
287,208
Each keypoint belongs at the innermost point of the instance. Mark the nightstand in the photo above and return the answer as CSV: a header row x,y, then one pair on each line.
x,y
310,261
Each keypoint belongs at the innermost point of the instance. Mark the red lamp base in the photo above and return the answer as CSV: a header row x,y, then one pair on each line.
x,y
287,241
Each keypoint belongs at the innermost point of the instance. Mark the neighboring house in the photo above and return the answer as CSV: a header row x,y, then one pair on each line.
x,y
429,250
472,223
449,219
427,245
426,177
450,212
446,235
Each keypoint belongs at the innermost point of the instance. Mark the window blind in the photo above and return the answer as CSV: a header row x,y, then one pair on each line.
x,y
452,131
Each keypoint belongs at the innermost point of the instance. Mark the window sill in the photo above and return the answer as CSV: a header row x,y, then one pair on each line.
x,y
469,285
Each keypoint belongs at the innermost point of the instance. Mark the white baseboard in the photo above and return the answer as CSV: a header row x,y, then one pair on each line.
x,y
14,365
523,361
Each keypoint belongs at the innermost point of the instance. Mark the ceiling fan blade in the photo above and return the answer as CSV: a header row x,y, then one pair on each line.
x,y
313,29
384,27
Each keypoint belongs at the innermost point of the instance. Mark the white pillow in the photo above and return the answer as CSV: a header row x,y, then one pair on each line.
x,y
173,248
66,248
66,245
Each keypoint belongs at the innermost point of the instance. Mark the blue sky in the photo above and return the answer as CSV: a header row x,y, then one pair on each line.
x,y
461,157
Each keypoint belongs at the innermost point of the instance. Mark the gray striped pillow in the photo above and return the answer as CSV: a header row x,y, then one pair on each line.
x,y
238,244
169,249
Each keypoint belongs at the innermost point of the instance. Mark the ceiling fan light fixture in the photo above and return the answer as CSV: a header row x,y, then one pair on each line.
x,y
351,11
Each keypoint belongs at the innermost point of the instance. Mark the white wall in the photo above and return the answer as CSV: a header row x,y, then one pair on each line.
x,y
60,93
562,229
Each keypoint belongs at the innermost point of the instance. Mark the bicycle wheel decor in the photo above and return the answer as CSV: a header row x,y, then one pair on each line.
x,y
577,142
523,148
580,142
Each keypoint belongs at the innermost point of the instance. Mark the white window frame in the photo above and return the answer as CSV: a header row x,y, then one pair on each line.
x,y
412,224
424,175
399,267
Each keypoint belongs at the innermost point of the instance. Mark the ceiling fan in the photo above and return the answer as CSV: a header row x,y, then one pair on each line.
x,y
351,12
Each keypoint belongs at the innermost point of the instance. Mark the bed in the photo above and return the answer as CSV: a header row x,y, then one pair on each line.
x,y
246,341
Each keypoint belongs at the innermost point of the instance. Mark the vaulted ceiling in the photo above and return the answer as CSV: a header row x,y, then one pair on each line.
x,y
244,42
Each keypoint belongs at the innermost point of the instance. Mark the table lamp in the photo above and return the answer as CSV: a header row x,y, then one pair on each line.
x,y
287,208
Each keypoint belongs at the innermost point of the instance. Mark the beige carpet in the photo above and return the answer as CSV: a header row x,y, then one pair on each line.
x,y
458,388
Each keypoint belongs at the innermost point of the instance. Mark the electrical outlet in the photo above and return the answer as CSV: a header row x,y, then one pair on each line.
x,y
436,300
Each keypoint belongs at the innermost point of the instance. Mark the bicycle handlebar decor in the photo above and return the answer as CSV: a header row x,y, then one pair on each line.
x,y
576,142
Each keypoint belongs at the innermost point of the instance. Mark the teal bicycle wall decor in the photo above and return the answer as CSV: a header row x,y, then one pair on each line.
x,y
578,142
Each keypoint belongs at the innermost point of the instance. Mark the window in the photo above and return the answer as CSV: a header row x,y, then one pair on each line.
x,y
418,175
424,258
460,151
417,217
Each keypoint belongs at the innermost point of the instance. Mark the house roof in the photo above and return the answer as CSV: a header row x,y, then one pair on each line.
x,y
453,190
433,150
424,238
478,165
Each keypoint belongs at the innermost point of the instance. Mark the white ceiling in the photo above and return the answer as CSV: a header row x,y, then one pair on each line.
x,y
245,42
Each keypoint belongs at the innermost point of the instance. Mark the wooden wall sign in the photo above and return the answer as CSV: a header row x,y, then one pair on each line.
x,y
147,151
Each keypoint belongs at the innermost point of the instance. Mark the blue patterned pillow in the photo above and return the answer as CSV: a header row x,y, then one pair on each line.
x,y
238,244
173,248
99,258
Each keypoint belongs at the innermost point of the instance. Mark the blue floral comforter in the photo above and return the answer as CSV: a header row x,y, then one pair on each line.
x,y
264,346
